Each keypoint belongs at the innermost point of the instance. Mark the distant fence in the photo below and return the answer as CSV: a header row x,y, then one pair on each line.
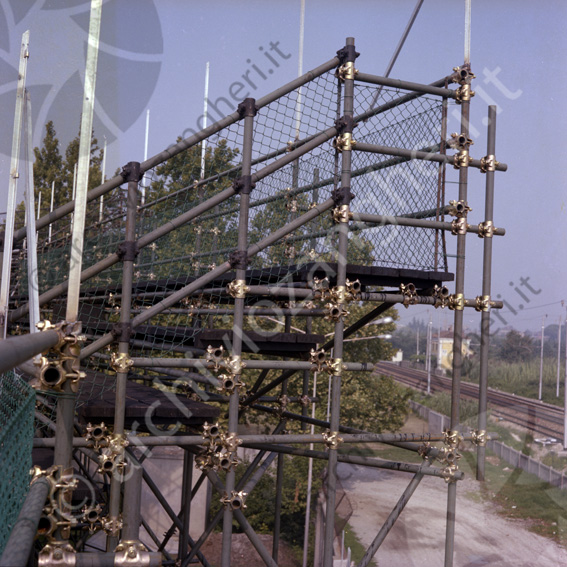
x,y
438,422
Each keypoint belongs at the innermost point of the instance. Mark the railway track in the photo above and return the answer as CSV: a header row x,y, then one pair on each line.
x,y
536,416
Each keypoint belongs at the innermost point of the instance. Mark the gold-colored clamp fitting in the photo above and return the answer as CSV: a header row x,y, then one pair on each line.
x,y
283,402
231,442
479,437
305,400
320,287
461,159
459,208
96,436
342,214
318,358
441,295
486,229
353,290
488,163
335,312
459,226
211,431
228,384
120,362
57,554
460,141
236,500
215,355
91,516
409,292
339,294
237,289
482,303
131,554
456,302
347,71
235,365
449,472
464,93
336,367
56,511
112,526
451,437
344,142
332,439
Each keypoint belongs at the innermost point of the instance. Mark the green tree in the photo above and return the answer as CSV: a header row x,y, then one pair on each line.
x,y
206,241
516,347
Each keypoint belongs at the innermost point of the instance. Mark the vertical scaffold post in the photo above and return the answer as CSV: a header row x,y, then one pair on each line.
x,y
464,77
486,285
342,196
239,261
186,497
127,250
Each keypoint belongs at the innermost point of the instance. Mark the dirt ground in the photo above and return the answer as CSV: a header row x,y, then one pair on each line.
x,y
482,537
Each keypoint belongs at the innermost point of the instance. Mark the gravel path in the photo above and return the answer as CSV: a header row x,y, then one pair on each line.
x,y
417,539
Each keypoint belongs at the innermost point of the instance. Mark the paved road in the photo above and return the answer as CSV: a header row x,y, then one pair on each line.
x,y
417,539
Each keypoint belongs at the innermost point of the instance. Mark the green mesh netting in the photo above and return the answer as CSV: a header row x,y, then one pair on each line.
x,y
17,404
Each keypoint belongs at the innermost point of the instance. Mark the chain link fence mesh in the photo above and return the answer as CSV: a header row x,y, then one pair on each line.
x,y
17,406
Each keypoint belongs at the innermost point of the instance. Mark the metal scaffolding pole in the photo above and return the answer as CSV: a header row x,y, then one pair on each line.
x,y
14,174
132,175
465,80
343,198
486,287
240,260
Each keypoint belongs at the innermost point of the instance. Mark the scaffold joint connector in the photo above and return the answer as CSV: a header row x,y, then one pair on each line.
x,y
237,289
332,439
488,163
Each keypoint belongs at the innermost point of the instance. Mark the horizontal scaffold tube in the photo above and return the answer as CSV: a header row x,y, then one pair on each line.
x,y
357,460
416,154
405,85
191,440
16,350
385,220
250,364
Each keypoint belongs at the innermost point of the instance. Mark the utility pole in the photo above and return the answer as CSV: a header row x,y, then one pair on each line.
x,y
558,354
541,360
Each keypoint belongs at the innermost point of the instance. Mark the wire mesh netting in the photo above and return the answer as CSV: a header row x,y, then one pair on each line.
x,y
193,244
17,406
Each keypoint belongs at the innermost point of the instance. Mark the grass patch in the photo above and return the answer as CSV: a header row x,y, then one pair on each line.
x,y
357,550
524,496
552,459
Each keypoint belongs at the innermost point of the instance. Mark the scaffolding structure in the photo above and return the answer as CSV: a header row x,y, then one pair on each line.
x,y
286,220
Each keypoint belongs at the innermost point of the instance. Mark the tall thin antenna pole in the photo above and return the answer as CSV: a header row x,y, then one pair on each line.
x,y
300,68
51,207
540,393
205,109
102,178
31,235
143,184
468,32
558,353
11,205
39,194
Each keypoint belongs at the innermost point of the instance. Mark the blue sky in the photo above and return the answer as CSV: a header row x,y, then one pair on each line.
x,y
153,55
